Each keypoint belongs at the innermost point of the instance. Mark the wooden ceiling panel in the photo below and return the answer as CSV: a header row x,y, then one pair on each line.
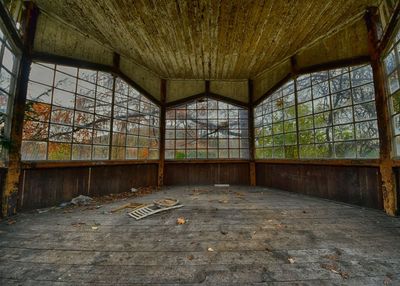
x,y
206,39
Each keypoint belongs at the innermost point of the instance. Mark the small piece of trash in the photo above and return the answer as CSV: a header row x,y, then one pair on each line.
x,y
224,232
77,224
41,211
291,260
181,220
11,221
95,227
66,204
210,249
81,200
133,190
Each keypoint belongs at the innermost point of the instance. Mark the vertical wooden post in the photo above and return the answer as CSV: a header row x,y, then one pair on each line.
x,y
388,185
207,87
161,162
252,164
12,177
116,61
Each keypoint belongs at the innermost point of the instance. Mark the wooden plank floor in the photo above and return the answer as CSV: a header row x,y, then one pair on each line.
x,y
255,233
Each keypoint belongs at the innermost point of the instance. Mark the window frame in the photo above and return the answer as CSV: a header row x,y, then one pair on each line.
x,y
355,141
7,40
243,153
92,94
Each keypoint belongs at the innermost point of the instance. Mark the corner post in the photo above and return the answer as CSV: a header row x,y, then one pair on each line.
x,y
388,182
252,164
161,162
12,177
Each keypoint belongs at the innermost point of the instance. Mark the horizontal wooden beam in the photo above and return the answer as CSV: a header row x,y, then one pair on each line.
x,y
209,95
220,161
56,59
68,164
360,60
323,162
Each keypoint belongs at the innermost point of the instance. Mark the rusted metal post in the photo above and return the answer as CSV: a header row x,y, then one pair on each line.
x,y
388,184
161,162
252,164
12,177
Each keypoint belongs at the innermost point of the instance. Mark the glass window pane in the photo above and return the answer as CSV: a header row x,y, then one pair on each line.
x,y
33,150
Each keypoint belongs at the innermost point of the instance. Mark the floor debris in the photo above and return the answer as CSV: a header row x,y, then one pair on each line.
x,y
181,220
210,249
78,224
81,200
221,185
127,206
41,211
11,221
334,268
291,260
150,209
166,203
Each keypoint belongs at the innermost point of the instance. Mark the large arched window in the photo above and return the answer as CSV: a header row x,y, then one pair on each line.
x,y
335,117
206,129
75,114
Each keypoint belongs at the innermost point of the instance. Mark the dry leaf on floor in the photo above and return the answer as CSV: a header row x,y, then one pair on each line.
x,y
181,220
190,257
334,269
11,221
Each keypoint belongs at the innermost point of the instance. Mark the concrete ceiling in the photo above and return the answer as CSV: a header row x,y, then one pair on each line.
x,y
206,39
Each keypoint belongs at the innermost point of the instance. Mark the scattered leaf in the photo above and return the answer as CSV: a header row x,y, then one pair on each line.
x,y
190,257
181,220
334,269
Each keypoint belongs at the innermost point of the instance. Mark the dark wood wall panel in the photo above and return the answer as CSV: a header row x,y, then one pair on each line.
x,y
48,187
354,185
206,173
117,179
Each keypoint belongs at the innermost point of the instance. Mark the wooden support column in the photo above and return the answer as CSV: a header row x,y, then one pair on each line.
x,y
12,177
388,183
252,164
161,164
207,88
